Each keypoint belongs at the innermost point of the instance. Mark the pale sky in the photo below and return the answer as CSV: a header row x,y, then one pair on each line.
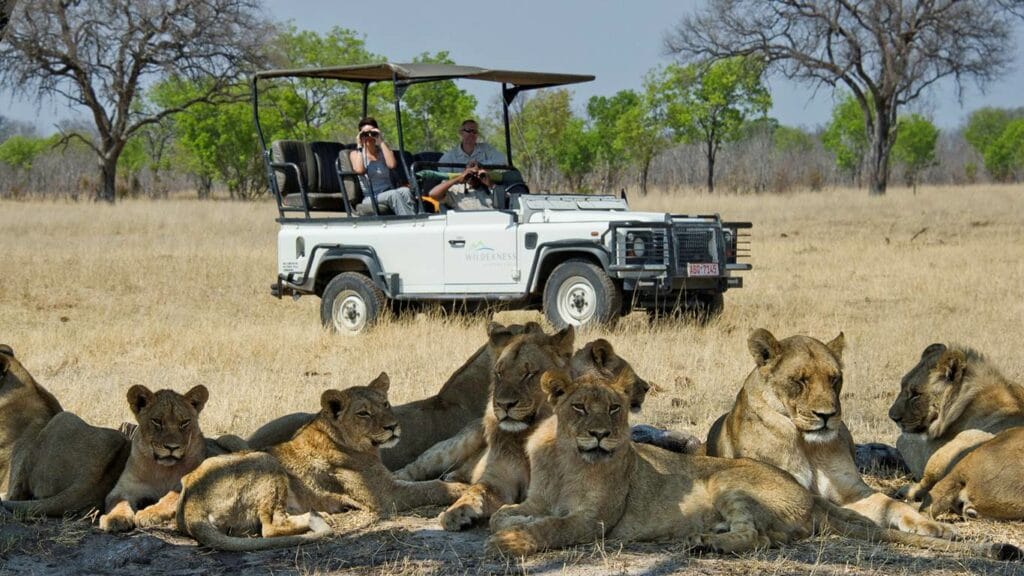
x,y
617,41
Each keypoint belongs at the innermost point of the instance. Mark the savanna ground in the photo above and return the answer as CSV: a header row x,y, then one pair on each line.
x,y
174,293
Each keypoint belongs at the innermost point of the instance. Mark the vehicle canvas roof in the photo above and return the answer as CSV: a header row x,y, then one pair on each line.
x,y
416,72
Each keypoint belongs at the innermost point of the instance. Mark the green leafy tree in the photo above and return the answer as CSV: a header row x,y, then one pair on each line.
x,y
915,145
432,112
540,120
846,138
1004,157
984,126
20,151
790,139
605,113
709,104
576,153
641,130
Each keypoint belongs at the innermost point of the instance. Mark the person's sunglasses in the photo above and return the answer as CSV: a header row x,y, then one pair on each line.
x,y
469,130
371,133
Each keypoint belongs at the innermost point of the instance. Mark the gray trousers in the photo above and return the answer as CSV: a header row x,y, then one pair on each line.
x,y
399,200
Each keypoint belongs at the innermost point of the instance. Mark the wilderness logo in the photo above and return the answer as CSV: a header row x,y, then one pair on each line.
x,y
479,252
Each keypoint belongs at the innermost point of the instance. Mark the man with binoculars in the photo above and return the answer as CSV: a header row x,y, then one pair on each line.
x,y
468,190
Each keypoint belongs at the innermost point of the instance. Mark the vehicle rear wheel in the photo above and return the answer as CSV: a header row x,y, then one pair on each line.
x,y
351,302
578,293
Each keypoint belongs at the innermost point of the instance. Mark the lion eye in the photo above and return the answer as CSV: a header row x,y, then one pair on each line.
x,y
580,408
837,381
159,425
614,409
914,395
186,424
799,383
363,414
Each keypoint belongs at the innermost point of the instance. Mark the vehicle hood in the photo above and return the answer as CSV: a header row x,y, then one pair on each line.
x,y
596,216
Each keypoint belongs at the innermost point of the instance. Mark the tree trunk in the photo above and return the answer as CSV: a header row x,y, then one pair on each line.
x,y
643,177
108,179
881,145
710,155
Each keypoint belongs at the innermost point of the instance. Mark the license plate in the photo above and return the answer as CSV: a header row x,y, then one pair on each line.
x,y
702,269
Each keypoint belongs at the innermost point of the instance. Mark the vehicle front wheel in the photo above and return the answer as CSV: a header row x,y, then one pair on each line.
x,y
350,303
579,292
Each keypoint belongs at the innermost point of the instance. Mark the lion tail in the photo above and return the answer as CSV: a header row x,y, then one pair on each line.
x,y
852,525
76,498
207,534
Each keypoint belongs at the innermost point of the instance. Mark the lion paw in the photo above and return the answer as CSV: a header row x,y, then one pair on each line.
x,y
507,521
404,475
926,527
146,519
317,524
117,522
460,516
512,543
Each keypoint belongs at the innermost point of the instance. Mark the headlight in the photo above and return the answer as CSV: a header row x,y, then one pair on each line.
x,y
635,246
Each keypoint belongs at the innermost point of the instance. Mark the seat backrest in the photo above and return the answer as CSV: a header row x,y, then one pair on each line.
x,y
326,154
349,180
298,153
427,157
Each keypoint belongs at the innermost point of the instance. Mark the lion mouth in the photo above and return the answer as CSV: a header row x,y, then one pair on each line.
x,y
594,454
389,443
167,460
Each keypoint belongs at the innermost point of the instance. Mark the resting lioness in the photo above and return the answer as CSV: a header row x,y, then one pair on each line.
x,y
428,421
457,457
501,474
332,464
788,414
589,482
951,390
167,444
25,407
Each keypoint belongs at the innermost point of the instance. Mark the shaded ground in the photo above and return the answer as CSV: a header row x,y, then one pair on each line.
x,y
416,545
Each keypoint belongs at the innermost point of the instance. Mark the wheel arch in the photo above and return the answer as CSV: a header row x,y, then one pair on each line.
x,y
551,255
348,259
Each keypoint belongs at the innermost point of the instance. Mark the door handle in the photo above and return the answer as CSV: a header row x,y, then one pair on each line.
x,y
457,243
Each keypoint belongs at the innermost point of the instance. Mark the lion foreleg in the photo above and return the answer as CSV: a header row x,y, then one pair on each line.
x,y
161,512
945,458
889,513
446,455
478,502
119,518
405,495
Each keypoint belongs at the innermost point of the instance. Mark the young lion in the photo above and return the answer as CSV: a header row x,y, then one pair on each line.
x,y
332,464
952,393
788,414
460,400
589,481
166,445
25,408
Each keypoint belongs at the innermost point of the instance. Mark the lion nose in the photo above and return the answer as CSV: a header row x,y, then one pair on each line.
x,y
600,434
172,447
824,416
507,405
895,416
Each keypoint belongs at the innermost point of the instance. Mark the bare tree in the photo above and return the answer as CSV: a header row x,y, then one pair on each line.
x,y
6,7
886,52
101,54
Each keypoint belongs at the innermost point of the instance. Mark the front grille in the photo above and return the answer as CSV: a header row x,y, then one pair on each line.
x,y
694,244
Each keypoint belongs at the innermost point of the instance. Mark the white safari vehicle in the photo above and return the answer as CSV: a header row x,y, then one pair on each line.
x,y
581,258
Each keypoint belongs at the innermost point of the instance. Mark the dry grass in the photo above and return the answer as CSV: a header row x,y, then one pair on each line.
x,y
174,293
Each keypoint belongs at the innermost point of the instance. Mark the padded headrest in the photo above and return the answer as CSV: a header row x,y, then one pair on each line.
x,y
298,153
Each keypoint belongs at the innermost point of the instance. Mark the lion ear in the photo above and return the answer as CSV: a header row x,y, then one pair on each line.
x,y
563,340
6,350
601,352
139,397
498,336
333,403
836,346
556,384
933,349
532,328
197,397
763,347
381,383
951,366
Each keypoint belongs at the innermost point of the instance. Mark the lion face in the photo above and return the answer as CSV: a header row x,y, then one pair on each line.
x,y
517,399
362,416
599,357
916,407
168,422
805,377
592,412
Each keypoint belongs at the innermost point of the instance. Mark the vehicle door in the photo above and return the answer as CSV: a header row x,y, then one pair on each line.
x,y
480,252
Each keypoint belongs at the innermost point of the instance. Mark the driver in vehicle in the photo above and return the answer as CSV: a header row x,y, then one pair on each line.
x,y
470,149
469,190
